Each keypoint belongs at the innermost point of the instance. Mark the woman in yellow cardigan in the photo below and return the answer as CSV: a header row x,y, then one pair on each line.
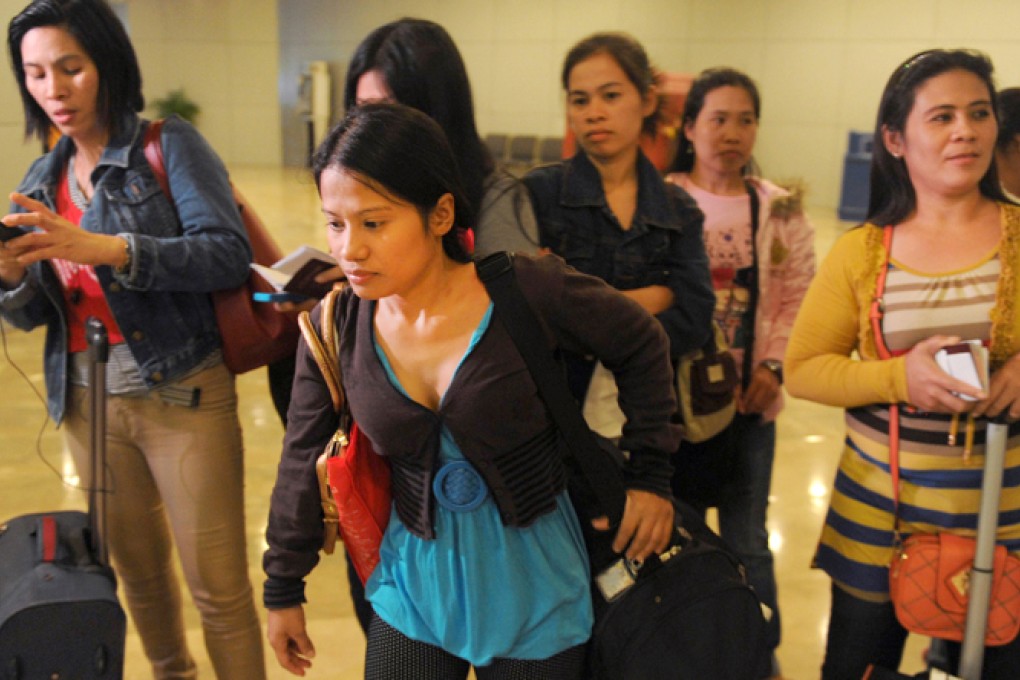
x,y
951,265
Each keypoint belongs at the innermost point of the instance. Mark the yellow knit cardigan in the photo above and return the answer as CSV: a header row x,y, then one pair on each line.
x,y
833,323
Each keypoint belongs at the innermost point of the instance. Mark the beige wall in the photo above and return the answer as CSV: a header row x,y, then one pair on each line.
x,y
821,64
224,53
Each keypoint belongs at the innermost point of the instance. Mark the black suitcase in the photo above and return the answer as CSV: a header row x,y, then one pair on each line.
x,y
60,618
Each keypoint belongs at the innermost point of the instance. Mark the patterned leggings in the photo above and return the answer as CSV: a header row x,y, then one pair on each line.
x,y
391,655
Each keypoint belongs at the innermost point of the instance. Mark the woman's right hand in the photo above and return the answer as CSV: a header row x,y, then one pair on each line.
x,y
289,639
929,388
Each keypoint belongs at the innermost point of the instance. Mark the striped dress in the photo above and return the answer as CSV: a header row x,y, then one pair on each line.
x,y
940,487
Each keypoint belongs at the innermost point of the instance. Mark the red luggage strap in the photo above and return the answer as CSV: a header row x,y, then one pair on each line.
x,y
49,538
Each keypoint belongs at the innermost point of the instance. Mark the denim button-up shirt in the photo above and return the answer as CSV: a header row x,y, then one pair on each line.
x,y
663,245
181,252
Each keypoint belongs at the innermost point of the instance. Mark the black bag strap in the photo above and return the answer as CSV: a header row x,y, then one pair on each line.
x,y
602,474
752,303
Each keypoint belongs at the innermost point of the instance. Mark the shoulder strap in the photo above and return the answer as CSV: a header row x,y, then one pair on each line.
x,y
324,349
600,472
152,145
264,247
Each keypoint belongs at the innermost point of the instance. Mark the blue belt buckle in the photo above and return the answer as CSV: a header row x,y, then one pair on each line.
x,y
459,487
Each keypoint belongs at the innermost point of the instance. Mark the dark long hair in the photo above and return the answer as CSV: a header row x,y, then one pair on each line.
x,y
402,153
625,51
892,198
1009,115
707,81
423,69
101,34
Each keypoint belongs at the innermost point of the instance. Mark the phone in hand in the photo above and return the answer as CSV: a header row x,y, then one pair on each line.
x,y
8,233
278,296
966,361
617,578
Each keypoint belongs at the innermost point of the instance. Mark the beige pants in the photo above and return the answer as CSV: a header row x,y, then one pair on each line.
x,y
176,474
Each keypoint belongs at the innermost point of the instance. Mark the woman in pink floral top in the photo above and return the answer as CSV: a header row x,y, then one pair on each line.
x,y
760,248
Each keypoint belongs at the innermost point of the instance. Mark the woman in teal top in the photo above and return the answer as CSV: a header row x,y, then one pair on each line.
x,y
556,615
483,562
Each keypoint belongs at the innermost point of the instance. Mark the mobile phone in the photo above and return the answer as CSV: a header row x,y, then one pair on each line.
x,y
278,297
966,361
7,233
617,578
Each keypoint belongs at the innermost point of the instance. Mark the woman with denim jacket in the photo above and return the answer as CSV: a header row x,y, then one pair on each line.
x,y
94,235
608,213
761,267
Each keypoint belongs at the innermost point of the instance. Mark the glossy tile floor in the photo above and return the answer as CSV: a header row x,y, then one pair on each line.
x,y
33,461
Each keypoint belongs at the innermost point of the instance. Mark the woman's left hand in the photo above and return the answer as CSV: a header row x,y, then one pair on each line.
x,y
646,527
59,238
1003,392
760,393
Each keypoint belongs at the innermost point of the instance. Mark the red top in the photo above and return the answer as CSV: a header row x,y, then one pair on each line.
x,y
83,295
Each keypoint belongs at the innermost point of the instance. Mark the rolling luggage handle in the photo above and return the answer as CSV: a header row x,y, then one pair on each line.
x,y
973,646
99,354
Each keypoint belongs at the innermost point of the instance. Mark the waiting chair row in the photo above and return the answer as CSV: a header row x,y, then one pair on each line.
x,y
520,153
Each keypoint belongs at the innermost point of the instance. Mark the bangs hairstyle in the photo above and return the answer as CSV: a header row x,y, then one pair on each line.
x,y
423,69
892,198
101,34
628,54
707,81
403,154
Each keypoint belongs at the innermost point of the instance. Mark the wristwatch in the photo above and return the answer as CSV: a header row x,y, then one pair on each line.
x,y
776,366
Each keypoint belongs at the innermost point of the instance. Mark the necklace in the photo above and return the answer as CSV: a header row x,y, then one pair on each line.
x,y
77,195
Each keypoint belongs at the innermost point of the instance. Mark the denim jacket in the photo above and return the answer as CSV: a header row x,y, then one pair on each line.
x,y
663,245
181,252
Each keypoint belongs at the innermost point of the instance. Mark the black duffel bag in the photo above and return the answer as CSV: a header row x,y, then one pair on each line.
x,y
689,614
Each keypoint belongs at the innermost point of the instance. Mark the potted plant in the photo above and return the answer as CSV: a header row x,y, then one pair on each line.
x,y
177,102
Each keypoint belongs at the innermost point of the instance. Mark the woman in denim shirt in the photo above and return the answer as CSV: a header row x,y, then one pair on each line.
x,y
607,211
94,235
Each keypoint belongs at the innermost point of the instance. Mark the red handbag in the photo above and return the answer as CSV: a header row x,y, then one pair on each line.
x,y
254,334
359,479
354,480
929,583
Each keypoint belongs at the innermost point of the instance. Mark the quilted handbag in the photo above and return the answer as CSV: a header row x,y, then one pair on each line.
x,y
354,480
929,583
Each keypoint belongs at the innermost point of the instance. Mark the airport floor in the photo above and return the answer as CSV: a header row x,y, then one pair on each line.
x,y
33,461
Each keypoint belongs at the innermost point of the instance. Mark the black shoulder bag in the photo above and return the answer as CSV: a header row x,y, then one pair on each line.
x,y
687,613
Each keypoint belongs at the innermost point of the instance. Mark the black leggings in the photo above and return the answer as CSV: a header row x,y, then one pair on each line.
x,y
391,655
